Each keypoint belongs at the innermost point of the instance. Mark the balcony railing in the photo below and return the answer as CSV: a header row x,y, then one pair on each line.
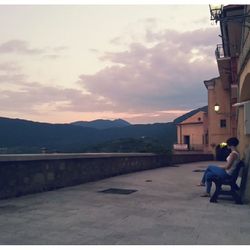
x,y
219,52
185,147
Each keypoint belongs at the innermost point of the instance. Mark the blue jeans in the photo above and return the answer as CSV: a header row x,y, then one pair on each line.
x,y
210,172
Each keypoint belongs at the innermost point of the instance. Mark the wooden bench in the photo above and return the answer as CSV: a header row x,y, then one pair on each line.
x,y
235,191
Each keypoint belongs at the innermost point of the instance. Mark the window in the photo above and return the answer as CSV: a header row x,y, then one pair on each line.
x,y
223,123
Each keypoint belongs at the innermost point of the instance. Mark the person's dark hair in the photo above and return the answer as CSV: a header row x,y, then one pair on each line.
x,y
233,141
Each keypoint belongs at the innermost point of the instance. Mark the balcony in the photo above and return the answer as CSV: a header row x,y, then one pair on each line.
x,y
224,66
165,209
219,51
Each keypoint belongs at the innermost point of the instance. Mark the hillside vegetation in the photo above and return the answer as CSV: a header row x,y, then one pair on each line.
x,y
22,136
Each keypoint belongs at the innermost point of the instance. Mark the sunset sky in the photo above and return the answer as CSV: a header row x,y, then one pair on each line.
x,y
142,63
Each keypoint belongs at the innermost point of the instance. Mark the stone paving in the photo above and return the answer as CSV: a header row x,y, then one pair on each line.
x,y
166,209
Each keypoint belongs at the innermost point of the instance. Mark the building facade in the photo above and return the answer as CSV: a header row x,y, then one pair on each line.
x,y
192,132
233,60
221,122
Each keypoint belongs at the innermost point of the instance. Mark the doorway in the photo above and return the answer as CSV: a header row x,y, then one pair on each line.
x,y
187,140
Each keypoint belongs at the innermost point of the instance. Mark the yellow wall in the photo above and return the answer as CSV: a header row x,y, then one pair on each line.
x,y
222,97
237,34
195,131
244,85
198,117
193,127
244,147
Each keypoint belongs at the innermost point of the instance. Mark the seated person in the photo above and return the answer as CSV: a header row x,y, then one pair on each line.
x,y
221,171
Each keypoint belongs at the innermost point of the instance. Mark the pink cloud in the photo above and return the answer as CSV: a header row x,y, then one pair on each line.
x,y
145,82
18,46
24,48
8,67
159,77
18,94
30,96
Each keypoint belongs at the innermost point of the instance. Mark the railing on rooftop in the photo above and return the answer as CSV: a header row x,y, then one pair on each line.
x,y
219,52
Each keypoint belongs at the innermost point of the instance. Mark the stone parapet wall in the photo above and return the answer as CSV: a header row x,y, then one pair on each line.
x,y
26,174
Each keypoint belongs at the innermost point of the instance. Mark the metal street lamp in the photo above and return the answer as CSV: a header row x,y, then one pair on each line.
x,y
215,12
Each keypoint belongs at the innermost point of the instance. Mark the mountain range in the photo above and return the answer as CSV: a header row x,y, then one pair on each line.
x,y
23,136
102,124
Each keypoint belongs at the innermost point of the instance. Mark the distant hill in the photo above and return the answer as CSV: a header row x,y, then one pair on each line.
x,y
22,136
102,124
189,114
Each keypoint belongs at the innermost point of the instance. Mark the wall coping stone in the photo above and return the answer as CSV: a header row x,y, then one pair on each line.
x,y
64,156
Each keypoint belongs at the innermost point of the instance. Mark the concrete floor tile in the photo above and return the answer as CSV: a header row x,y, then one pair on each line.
x,y
166,210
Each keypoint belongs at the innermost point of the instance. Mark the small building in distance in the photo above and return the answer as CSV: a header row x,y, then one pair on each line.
x,y
192,131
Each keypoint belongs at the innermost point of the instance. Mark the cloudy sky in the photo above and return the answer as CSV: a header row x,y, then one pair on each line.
x,y
142,63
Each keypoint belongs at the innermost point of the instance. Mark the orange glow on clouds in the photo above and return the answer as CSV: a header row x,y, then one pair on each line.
x,y
68,117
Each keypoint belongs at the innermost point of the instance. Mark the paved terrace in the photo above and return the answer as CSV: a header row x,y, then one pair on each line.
x,y
166,209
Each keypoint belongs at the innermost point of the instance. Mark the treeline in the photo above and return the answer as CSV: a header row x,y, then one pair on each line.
x,y
22,136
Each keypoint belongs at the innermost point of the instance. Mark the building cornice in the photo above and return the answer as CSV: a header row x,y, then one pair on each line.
x,y
210,83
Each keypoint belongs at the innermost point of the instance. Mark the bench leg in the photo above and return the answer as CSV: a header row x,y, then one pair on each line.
x,y
236,196
216,192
